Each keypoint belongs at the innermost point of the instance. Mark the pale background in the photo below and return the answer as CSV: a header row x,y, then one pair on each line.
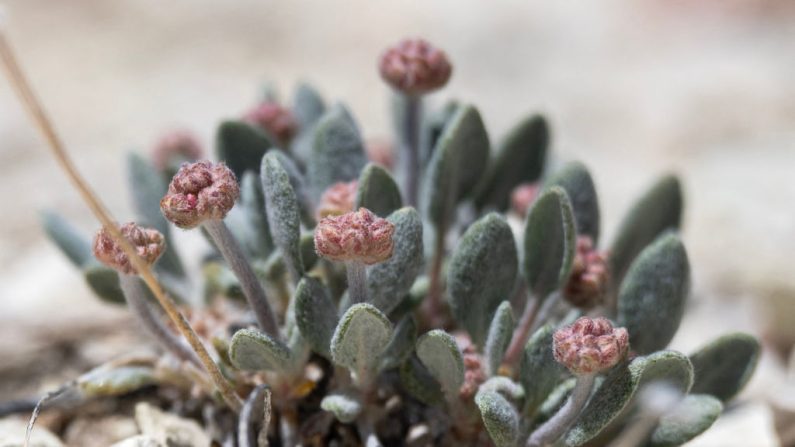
x,y
632,88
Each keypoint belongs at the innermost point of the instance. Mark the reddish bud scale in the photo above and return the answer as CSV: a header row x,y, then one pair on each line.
x,y
148,243
414,67
198,192
275,119
474,372
587,284
179,145
590,346
338,199
358,236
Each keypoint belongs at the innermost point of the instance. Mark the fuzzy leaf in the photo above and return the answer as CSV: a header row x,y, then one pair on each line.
x,y
658,210
402,344
252,201
104,382
693,416
345,407
500,333
308,105
337,152
550,240
377,191
315,314
241,146
252,350
458,162
74,245
481,274
520,159
439,353
419,382
148,187
620,386
283,213
360,338
390,281
539,372
104,281
308,253
298,182
505,386
723,367
651,301
500,418
433,127
577,181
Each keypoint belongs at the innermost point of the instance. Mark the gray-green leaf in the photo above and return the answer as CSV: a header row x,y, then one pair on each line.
x,y
360,339
419,382
658,210
252,201
74,245
283,213
500,333
252,350
520,159
345,407
402,344
651,300
620,386
577,181
481,274
693,416
241,146
390,281
337,152
439,353
723,367
550,239
499,416
377,191
315,314
539,372
104,281
308,105
104,382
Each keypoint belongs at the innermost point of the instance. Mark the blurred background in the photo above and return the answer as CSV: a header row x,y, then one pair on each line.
x,y
633,88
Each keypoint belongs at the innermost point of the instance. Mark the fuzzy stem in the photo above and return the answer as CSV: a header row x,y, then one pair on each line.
x,y
411,147
42,121
357,281
522,332
255,293
150,320
554,428
432,305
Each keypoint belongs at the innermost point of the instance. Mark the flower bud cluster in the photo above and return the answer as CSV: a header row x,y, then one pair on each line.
x,y
590,345
358,236
200,191
148,243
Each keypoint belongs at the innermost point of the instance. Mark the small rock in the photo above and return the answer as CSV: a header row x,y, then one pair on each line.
x,y
169,429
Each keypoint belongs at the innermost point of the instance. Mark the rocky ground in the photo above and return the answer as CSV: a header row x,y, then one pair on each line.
x,y
633,88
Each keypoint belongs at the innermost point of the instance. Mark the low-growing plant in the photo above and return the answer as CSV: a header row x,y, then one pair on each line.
x,y
472,302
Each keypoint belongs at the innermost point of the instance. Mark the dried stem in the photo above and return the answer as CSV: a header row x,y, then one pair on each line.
x,y
553,428
21,85
410,139
151,321
357,281
252,288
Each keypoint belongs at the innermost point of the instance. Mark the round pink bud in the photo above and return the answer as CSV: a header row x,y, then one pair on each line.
x,y
359,236
198,192
380,152
523,196
174,148
338,199
148,243
414,67
275,119
587,284
590,345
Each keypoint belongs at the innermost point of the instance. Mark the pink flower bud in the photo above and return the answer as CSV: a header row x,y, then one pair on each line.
x,y
414,67
338,199
174,148
523,196
198,192
359,236
380,152
587,284
474,371
275,119
148,243
590,345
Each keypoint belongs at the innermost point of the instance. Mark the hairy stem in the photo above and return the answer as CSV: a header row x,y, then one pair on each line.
x,y
151,321
432,304
522,332
357,281
252,289
34,107
410,155
554,428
